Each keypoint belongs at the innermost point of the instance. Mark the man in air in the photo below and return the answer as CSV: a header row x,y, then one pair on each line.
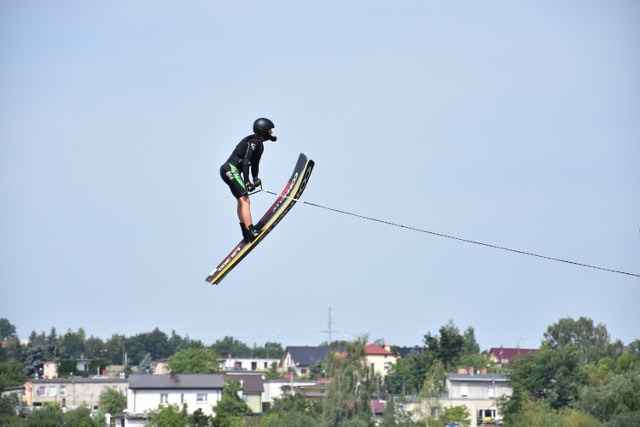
x,y
235,172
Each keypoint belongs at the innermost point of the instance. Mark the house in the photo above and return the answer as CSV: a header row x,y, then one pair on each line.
x,y
162,367
246,364
252,389
301,359
479,392
312,390
504,356
83,364
278,388
379,359
147,392
51,369
70,392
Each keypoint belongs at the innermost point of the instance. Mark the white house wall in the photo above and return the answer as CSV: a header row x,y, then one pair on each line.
x,y
143,401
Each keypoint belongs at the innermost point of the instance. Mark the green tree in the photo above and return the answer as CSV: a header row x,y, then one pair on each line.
x,y
146,366
348,397
618,394
294,403
9,404
396,416
552,375
288,419
447,347
456,415
169,416
81,417
12,373
625,420
34,358
272,373
177,343
72,344
155,342
52,345
199,419
193,361
470,346
230,407
592,342
11,349
111,401
407,375
50,415
271,350
230,346
7,329
95,347
293,410
434,382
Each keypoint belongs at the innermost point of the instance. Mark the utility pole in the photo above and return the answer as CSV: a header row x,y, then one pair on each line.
x,y
329,323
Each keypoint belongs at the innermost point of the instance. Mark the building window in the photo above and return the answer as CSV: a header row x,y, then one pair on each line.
x,y
63,390
254,366
42,391
491,391
164,397
181,397
464,390
201,398
53,390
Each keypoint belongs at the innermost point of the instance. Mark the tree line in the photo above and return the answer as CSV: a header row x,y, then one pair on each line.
x,y
578,376
117,350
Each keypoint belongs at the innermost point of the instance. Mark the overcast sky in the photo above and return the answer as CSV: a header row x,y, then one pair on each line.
x,y
509,123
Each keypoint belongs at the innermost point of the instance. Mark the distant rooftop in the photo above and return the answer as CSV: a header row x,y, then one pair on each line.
x,y
176,381
507,355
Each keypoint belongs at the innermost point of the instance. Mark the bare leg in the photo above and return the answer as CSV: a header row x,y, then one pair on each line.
x,y
244,211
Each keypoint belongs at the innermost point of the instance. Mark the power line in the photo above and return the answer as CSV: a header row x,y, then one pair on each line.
x,y
475,242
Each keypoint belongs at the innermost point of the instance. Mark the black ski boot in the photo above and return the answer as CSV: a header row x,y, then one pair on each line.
x,y
253,233
250,234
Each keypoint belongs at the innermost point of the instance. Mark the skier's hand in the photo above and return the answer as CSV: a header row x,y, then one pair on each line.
x,y
257,182
250,186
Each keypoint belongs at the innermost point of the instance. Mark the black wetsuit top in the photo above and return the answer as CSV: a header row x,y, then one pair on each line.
x,y
246,156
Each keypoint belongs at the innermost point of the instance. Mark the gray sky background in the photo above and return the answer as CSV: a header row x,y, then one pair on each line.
x,y
511,123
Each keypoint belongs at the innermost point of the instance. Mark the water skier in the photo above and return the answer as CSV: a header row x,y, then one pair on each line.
x,y
235,172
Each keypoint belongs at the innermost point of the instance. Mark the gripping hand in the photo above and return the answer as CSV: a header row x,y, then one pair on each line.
x,y
250,187
257,182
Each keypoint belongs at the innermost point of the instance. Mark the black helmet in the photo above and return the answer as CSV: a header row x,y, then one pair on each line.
x,y
261,128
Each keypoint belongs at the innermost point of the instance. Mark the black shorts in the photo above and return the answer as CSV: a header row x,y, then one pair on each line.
x,y
231,176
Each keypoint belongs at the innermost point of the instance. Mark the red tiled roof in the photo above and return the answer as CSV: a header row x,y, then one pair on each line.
x,y
509,354
376,350
371,350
